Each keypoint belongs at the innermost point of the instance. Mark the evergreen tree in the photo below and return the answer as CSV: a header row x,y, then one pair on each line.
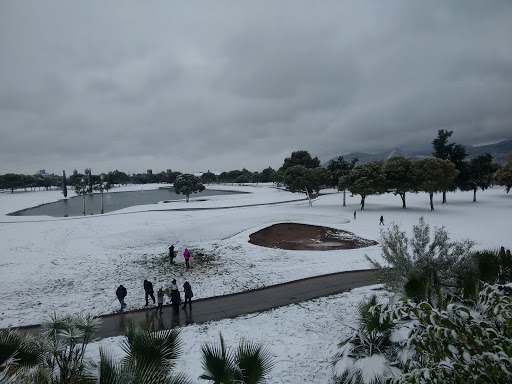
x,y
64,184
504,175
306,180
257,177
337,169
300,158
433,175
399,177
208,177
187,184
420,267
267,175
277,178
12,181
456,153
478,173
365,180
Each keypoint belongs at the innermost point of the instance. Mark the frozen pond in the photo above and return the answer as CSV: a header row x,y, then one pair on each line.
x,y
112,201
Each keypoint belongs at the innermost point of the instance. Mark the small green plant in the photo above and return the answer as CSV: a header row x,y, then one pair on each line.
x,y
250,363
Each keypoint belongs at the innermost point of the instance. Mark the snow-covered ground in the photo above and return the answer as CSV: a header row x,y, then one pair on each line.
x,y
75,264
302,338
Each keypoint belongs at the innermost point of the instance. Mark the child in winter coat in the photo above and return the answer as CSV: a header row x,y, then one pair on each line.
x,y
160,299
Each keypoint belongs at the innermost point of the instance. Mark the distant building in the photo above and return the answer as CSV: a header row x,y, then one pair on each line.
x,y
42,172
149,171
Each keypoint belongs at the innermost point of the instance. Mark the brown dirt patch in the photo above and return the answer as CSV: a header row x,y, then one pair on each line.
x,y
304,237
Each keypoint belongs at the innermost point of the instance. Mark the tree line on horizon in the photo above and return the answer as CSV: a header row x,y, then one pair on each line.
x,y
447,170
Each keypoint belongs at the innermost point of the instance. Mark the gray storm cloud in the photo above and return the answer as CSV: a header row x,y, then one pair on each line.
x,y
225,85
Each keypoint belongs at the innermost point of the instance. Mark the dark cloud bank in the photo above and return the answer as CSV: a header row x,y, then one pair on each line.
x,y
226,85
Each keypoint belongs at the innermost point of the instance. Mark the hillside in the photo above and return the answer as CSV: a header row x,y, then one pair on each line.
x,y
498,150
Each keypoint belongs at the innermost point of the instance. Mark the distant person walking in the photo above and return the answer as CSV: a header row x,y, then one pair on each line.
x,y
355,214
171,253
381,220
148,288
186,255
160,299
121,294
188,294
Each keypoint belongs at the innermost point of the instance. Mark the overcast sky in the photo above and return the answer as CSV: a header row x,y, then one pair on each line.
x,y
192,86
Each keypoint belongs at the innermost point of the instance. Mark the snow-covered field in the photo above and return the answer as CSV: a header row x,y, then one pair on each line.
x,y
75,264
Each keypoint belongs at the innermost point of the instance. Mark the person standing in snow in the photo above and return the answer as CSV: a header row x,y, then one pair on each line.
x,y
148,289
160,299
188,294
173,285
381,220
175,297
171,253
121,294
355,213
186,255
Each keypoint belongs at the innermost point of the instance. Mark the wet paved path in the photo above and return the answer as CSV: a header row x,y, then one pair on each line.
x,y
228,306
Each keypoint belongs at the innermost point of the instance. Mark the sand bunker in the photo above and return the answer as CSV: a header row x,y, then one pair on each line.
x,y
303,237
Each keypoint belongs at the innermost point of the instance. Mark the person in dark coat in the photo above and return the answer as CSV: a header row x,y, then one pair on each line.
x,y
148,288
121,294
171,253
188,294
175,300
355,214
381,220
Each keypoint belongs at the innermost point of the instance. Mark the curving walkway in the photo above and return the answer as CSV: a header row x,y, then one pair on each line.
x,y
229,306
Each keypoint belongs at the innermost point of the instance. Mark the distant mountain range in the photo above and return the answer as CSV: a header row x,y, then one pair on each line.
x,y
498,150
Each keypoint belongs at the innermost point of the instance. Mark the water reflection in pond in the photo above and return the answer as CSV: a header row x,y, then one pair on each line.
x,y
112,201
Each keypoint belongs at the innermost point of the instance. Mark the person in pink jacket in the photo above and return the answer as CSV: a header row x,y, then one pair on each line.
x,y
186,255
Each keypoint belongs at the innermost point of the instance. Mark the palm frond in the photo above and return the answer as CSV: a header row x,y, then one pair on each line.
x,y
218,363
143,346
25,349
109,371
254,361
88,325
10,341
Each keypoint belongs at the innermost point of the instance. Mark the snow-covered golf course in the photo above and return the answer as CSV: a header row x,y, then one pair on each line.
x,y
73,265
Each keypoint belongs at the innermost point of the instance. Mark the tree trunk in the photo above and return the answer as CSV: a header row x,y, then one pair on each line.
x,y
431,201
83,195
187,196
102,201
363,197
474,195
344,197
444,197
402,195
309,198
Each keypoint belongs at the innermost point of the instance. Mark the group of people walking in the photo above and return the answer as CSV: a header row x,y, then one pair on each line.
x,y
121,293
186,255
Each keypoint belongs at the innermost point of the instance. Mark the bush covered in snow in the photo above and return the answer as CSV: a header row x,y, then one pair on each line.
x,y
456,345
